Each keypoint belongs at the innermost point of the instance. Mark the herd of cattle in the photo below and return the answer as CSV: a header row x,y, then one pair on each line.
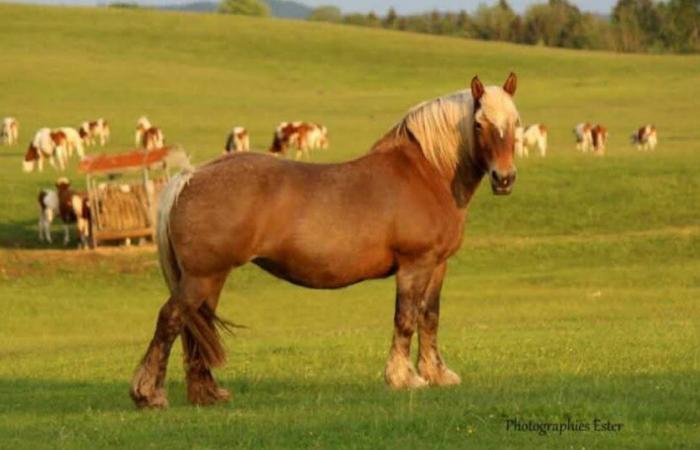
x,y
56,145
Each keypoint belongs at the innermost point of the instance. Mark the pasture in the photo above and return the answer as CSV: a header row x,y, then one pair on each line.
x,y
577,297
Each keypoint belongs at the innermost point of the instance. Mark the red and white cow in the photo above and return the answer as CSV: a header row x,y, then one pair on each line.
x,y
300,135
73,140
237,140
10,131
147,135
531,137
645,137
91,131
152,139
70,206
584,139
599,138
47,144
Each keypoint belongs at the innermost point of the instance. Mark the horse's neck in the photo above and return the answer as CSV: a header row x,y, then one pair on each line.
x,y
465,182
462,184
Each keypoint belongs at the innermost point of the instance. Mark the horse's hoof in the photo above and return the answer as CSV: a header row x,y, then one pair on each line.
x,y
439,376
157,400
407,379
208,395
447,378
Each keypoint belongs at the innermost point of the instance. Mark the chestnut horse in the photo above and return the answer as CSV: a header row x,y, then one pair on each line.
x,y
398,210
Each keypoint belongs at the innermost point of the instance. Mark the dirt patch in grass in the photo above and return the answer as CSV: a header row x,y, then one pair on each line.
x,y
123,260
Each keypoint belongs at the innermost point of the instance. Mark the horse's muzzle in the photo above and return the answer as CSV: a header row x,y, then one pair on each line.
x,y
502,183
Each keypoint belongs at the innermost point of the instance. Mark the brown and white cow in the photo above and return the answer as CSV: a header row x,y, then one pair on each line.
x,y
531,137
91,131
237,140
584,139
10,131
70,206
47,144
645,137
152,138
599,138
147,135
300,135
73,141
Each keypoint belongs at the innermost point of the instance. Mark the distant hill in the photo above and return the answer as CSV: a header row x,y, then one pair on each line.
x,y
279,8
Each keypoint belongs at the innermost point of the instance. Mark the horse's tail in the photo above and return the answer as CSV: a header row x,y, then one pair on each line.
x,y
166,255
203,322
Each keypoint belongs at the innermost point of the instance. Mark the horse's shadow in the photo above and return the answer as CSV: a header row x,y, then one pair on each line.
x,y
50,396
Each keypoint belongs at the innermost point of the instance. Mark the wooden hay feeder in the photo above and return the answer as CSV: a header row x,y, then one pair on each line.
x,y
123,190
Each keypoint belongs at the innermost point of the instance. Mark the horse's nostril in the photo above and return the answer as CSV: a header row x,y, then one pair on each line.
x,y
495,177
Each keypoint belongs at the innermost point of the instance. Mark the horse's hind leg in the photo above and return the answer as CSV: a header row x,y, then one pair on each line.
x,y
147,387
202,389
412,283
430,363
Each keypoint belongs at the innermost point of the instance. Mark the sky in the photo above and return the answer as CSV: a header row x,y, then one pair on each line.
x,y
379,6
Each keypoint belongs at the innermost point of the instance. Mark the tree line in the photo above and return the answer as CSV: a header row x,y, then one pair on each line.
x,y
632,26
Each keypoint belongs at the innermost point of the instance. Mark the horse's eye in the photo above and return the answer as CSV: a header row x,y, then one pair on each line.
x,y
477,126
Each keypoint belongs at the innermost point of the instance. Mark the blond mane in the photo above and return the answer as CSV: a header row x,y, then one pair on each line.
x,y
443,126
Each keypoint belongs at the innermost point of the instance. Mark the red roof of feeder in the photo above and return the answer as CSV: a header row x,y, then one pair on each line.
x,y
135,159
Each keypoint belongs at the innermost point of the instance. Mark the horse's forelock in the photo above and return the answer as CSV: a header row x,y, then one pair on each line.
x,y
497,107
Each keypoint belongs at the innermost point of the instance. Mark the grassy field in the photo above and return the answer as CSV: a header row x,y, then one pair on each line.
x,y
576,298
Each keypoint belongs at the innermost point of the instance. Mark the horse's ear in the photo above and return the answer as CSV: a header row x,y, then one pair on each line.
x,y
511,84
477,88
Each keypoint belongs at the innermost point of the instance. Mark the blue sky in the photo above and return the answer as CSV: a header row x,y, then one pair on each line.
x,y
380,6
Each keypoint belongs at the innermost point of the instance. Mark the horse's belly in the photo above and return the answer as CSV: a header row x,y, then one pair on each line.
x,y
328,271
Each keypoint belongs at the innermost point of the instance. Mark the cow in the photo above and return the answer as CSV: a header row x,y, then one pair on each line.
x,y
152,138
47,144
73,141
10,131
531,137
70,206
599,138
645,137
297,135
584,138
91,131
237,140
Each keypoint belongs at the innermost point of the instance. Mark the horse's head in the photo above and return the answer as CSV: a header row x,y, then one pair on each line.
x,y
30,158
495,123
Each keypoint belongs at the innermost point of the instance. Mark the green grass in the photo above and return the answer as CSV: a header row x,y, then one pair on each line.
x,y
576,297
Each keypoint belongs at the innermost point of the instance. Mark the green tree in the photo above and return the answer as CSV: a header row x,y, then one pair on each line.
x,y
495,22
637,24
244,7
327,13
391,20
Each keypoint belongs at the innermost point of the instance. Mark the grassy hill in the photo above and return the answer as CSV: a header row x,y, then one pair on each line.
x,y
576,297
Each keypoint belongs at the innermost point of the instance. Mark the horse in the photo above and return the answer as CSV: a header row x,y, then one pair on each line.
x,y
645,137
96,129
398,210
10,131
531,137
237,140
599,138
584,138
70,206
46,144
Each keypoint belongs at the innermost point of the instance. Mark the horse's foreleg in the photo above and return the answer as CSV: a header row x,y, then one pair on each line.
x,y
430,363
202,389
148,384
411,285
66,234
